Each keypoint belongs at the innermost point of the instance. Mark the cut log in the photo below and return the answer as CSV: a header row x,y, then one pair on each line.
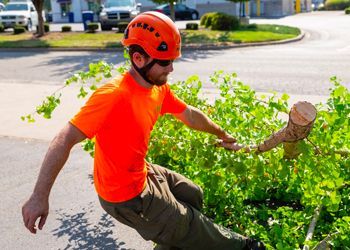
x,y
301,120
300,123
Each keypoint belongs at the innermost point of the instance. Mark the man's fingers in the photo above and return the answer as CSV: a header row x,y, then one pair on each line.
x,y
31,224
42,221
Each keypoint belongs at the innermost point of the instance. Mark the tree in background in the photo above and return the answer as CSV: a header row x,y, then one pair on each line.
x,y
241,7
39,5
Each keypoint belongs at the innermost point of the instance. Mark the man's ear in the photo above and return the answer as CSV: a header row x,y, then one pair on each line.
x,y
139,59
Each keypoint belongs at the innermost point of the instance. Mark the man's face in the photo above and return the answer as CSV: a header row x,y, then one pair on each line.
x,y
160,71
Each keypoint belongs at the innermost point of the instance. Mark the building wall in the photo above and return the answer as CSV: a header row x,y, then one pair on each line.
x,y
77,6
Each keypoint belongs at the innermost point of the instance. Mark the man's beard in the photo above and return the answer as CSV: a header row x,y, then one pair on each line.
x,y
158,81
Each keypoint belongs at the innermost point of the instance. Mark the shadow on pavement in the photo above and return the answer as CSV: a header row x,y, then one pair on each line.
x,y
85,235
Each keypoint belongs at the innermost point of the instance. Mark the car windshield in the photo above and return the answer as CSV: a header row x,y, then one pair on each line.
x,y
119,3
14,7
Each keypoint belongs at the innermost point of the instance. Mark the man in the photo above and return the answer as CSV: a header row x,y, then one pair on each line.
x,y
161,205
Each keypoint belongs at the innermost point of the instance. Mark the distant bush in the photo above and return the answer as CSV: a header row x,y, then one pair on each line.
x,y
252,26
206,19
2,28
222,21
92,27
337,4
46,27
19,30
347,11
192,26
66,28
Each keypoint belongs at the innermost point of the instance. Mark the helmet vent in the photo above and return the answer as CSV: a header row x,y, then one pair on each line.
x,y
163,46
126,34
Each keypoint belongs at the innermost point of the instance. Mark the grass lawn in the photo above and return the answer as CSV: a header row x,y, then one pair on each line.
x,y
260,33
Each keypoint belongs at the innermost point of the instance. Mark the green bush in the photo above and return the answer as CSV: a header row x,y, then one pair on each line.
x,y
66,28
92,27
337,4
347,11
122,27
2,28
19,30
206,19
252,26
46,27
192,26
222,21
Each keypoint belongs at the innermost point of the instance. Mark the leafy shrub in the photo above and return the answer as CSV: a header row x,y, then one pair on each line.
x,y
19,30
252,26
2,28
206,19
46,27
92,27
222,21
347,11
66,28
337,4
122,27
192,26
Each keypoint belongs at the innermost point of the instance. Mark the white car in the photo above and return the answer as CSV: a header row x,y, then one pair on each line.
x,y
19,13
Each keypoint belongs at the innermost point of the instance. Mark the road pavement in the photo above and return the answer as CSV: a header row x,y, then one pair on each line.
x,y
76,219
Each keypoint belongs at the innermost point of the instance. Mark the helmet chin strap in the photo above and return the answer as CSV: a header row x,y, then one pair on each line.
x,y
143,71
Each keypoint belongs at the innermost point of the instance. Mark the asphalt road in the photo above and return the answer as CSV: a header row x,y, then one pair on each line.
x,y
298,68
76,219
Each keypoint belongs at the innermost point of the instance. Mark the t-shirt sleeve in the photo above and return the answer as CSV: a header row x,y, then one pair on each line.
x,y
93,114
172,104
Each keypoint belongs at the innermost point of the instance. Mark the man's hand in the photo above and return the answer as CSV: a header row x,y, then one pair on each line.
x,y
228,142
34,209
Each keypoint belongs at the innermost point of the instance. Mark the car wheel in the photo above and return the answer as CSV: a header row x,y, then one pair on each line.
x,y
194,16
29,26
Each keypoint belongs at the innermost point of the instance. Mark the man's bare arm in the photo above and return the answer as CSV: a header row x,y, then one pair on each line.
x,y
38,204
196,119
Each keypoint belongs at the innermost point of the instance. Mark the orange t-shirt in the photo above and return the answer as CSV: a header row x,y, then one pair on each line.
x,y
121,115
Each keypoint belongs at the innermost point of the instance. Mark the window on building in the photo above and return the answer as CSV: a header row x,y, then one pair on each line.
x,y
65,8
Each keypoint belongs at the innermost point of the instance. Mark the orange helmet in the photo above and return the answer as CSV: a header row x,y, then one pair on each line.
x,y
156,34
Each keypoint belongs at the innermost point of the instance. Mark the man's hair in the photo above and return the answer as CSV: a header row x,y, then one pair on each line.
x,y
136,48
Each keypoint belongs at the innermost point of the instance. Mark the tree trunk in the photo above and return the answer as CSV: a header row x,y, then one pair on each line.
x,y
301,120
172,10
39,8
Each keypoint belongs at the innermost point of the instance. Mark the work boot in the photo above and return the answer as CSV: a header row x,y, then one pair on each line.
x,y
252,244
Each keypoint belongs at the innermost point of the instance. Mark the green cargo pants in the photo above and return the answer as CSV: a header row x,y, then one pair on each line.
x,y
167,212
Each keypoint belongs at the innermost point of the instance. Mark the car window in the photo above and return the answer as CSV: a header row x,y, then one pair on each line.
x,y
14,7
180,7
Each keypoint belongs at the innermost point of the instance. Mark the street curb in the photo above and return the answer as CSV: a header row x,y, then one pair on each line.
x,y
220,46
214,46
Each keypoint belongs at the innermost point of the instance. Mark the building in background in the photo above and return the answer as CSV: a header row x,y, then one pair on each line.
x,y
64,11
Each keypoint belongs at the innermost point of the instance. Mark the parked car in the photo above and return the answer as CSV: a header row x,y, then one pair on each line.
x,y
115,12
19,13
182,12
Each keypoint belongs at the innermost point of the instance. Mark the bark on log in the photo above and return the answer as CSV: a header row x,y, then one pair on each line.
x,y
301,120
300,123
